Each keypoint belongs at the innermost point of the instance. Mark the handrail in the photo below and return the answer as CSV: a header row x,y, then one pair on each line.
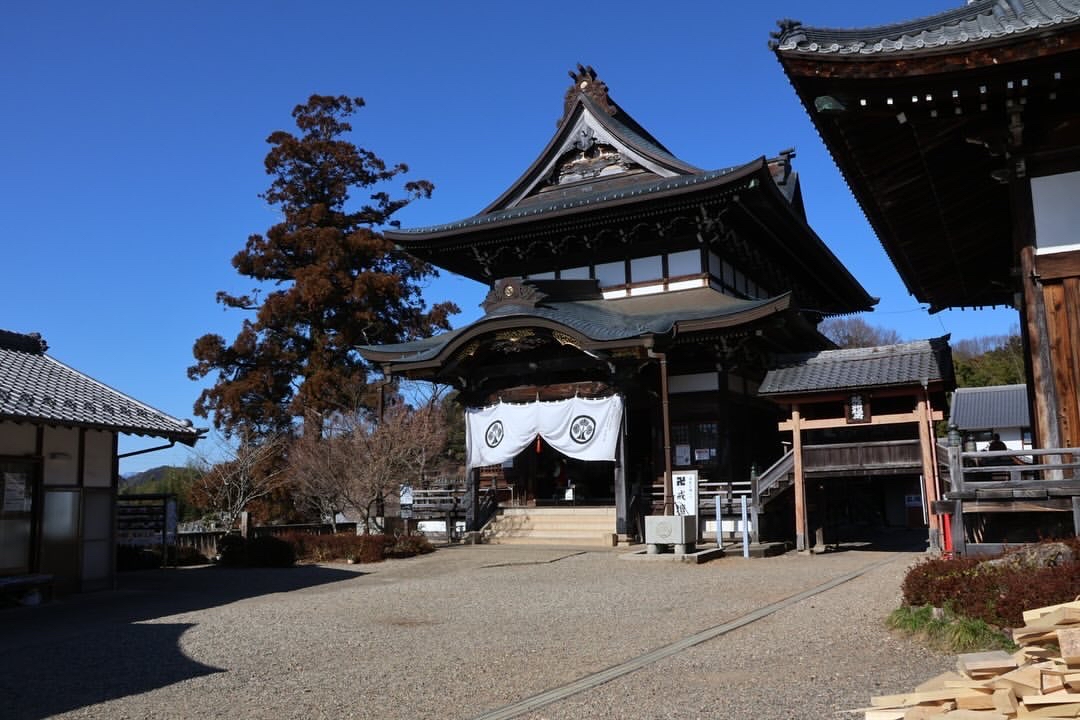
x,y
773,474
1025,468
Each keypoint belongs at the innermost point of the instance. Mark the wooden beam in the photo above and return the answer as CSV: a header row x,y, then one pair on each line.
x,y
1055,266
889,419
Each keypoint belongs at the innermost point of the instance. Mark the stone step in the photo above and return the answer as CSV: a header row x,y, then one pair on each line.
x,y
593,526
562,538
576,511
552,525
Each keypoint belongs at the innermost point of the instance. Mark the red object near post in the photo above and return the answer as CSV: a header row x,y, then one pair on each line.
x,y
946,527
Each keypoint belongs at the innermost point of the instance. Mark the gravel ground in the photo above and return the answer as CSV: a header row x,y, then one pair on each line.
x,y
465,631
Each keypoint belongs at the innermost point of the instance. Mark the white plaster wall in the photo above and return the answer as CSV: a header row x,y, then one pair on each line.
x,y
1057,214
1012,437
97,467
17,438
61,450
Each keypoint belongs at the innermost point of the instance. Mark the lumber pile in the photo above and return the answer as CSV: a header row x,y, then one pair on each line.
x,y
1040,680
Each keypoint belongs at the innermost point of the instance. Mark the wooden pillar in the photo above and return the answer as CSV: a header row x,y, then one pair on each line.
x,y
669,502
755,503
959,533
800,481
930,483
472,496
1062,299
622,523
1043,390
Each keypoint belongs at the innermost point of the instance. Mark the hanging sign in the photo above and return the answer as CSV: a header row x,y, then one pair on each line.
x,y
580,428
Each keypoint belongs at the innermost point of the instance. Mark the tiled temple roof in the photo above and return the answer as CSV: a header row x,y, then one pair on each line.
x,y
597,319
885,365
980,21
35,387
986,408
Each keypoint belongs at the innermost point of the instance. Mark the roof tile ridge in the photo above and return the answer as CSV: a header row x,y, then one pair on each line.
x,y
186,424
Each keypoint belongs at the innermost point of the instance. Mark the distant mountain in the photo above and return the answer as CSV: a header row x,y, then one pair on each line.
x,y
167,479
134,482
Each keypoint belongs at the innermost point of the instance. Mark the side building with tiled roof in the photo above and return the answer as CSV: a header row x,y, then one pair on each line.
x,y
862,437
980,413
59,465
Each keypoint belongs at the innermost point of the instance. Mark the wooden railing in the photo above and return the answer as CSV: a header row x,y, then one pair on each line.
x,y
1013,469
839,457
776,474
728,494
988,481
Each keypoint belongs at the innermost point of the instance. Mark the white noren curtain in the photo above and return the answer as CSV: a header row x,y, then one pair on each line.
x,y
581,428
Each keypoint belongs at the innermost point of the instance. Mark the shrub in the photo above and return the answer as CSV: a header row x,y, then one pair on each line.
x,y
356,548
324,548
996,594
372,548
232,550
270,551
409,546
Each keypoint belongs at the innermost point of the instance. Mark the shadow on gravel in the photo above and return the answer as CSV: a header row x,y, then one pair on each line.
x,y
912,540
88,649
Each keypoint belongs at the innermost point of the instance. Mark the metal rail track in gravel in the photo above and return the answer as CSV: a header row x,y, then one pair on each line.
x,y
588,682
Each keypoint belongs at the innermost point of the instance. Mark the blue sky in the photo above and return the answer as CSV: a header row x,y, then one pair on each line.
x,y
133,133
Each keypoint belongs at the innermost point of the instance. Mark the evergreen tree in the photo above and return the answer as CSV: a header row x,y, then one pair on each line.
x,y
987,361
332,280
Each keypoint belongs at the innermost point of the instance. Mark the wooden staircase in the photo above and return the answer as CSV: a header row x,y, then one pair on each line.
x,y
584,526
777,478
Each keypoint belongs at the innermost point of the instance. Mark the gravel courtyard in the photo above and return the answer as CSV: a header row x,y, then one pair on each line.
x,y
465,632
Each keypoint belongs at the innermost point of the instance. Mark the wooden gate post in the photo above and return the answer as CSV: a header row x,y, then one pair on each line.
x,y
800,481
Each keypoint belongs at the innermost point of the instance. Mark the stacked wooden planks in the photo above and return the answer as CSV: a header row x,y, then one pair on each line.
x,y
1040,680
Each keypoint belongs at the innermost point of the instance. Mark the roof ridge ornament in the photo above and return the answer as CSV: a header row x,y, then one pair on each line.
x,y
512,291
23,342
786,28
588,84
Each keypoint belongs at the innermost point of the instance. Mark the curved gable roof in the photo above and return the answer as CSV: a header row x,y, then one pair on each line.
x,y
588,122
594,321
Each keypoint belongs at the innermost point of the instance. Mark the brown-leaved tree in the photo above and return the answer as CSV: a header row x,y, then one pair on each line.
x,y
250,471
356,461
854,332
328,281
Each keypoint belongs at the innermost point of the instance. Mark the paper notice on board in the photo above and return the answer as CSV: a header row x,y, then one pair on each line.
x,y
682,454
15,497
